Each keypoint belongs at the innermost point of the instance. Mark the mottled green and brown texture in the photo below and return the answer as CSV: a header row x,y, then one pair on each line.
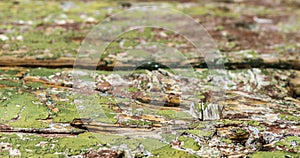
x,y
260,110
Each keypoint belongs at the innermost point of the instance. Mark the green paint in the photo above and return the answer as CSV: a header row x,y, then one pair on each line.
x,y
273,154
132,89
228,141
79,144
11,83
30,145
9,72
43,72
36,85
19,111
168,137
253,123
138,123
150,144
210,9
228,122
172,114
288,141
189,143
98,108
289,117
200,133
167,151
